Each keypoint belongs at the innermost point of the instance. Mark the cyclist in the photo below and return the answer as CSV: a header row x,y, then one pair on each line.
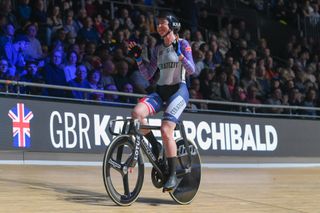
x,y
173,58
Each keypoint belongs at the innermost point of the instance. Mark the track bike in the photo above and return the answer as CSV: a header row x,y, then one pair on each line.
x,y
123,164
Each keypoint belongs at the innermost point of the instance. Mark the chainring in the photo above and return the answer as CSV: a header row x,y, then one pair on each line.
x,y
156,178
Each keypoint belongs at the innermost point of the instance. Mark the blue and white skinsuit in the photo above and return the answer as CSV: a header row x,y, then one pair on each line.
x,y
171,86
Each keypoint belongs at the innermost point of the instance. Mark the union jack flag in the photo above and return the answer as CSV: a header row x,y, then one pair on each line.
x,y
21,117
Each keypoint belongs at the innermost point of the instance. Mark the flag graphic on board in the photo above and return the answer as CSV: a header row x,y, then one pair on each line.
x,y
21,117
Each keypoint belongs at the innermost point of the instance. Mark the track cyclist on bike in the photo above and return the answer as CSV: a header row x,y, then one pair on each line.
x,y
173,57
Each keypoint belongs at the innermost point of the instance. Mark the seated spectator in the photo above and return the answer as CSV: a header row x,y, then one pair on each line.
x,y
121,77
140,84
263,84
295,99
34,50
231,83
70,26
219,88
7,49
195,85
80,81
128,88
39,16
310,101
217,55
20,45
99,25
208,60
94,78
4,73
87,32
54,22
112,97
198,61
54,74
192,106
252,95
206,77
108,71
33,76
23,11
70,66
275,99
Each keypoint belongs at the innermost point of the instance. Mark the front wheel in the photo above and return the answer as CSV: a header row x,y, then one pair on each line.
x,y
188,183
123,184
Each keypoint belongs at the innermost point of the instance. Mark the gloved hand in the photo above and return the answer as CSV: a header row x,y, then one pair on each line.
x,y
135,51
176,47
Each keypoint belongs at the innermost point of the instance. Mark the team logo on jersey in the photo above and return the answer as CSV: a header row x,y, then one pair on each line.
x,y
188,49
21,117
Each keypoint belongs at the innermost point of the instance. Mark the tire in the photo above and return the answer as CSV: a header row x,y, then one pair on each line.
x,y
188,184
122,186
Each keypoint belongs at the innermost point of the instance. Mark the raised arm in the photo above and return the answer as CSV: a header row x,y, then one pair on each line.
x,y
186,57
148,69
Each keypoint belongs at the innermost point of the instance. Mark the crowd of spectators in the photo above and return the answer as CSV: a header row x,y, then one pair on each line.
x,y
65,44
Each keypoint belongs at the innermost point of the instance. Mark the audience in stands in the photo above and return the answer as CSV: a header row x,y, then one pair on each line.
x,y
60,43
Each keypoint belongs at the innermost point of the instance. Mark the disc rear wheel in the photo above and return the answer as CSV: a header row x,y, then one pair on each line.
x,y
188,183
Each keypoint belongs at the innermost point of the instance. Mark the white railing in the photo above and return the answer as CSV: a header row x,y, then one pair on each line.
x,y
237,108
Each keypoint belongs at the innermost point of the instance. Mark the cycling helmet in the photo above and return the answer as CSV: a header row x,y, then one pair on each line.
x,y
174,23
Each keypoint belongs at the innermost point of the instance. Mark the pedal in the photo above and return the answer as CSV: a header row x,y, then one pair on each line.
x,y
167,190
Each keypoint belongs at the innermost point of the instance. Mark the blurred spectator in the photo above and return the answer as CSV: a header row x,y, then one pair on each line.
x,y
252,95
99,25
198,39
140,84
195,85
219,88
94,78
192,106
108,72
4,74
80,81
6,44
217,55
54,74
112,97
70,26
295,99
121,77
128,88
23,11
198,58
54,22
221,52
39,16
70,67
208,60
34,50
6,9
275,99
88,32
206,77
310,101
33,76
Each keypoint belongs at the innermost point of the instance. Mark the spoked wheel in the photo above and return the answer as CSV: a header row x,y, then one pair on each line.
x,y
188,183
122,183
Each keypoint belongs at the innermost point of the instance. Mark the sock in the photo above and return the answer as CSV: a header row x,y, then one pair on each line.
x,y
154,143
172,163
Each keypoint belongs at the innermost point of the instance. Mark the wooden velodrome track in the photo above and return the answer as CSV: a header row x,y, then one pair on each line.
x,y
34,188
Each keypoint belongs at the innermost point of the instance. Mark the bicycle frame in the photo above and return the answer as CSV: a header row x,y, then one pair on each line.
x,y
133,127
